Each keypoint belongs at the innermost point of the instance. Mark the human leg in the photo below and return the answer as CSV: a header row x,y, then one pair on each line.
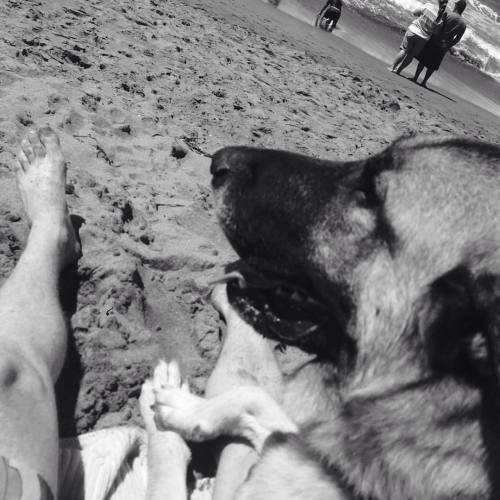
x,y
404,48
427,75
419,69
33,329
407,59
411,46
319,16
401,55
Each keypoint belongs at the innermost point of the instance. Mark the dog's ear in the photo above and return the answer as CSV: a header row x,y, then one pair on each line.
x,y
459,321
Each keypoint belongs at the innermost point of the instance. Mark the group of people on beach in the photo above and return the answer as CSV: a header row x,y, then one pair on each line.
x,y
429,37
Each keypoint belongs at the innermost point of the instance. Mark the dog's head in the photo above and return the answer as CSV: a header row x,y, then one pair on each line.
x,y
383,265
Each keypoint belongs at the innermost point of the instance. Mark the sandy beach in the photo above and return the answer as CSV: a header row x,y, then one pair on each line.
x,y
141,94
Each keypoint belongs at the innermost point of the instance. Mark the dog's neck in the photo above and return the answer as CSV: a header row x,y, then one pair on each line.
x,y
399,423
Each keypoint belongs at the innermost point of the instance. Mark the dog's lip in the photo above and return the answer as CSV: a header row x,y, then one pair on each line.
x,y
279,317
278,285
278,309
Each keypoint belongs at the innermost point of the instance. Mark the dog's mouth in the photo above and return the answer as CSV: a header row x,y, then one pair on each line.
x,y
278,309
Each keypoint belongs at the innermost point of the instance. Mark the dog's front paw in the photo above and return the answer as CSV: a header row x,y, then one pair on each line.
x,y
175,408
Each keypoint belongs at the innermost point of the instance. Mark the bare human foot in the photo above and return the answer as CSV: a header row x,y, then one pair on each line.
x,y
41,179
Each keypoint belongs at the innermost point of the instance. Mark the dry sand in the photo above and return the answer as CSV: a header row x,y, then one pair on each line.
x,y
141,93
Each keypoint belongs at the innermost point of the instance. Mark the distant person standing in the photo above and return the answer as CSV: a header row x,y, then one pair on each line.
x,y
331,10
430,19
440,43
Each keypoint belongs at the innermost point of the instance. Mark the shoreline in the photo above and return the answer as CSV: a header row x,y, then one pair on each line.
x,y
381,41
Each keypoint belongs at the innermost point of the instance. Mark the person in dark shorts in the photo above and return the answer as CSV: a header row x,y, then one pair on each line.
x,y
332,10
436,48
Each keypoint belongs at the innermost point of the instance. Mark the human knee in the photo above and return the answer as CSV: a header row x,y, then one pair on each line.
x,y
20,376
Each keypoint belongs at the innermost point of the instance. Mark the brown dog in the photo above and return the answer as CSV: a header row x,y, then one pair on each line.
x,y
389,270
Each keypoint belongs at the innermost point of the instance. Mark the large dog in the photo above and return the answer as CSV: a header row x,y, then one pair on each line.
x,y
389,270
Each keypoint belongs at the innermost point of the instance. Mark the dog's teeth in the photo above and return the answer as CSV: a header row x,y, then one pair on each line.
x,y
311,329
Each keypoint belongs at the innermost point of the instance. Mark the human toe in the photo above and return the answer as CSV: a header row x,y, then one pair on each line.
x,y
27,149
22,161
35,143
49,139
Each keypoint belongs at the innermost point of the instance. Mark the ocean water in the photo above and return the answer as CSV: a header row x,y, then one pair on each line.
x,y
480,45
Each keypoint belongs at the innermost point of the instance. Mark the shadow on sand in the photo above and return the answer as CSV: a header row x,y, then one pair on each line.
x,y
429,89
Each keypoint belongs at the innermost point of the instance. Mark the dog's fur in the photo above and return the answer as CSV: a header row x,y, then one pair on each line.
x,y
403,249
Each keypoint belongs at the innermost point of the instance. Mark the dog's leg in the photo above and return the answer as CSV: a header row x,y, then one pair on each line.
x,y
246,359
236,405
246,412
288,471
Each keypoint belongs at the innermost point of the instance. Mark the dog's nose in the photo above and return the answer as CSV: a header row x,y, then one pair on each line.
x,y
222,162
228,163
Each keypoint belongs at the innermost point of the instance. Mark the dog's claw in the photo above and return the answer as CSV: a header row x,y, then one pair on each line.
x,y
160,375
174,374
